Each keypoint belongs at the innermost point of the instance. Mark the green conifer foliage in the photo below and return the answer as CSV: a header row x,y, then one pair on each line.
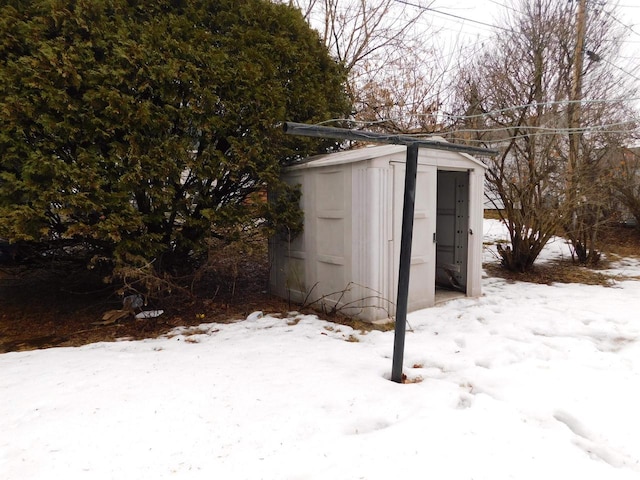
x,y
140,128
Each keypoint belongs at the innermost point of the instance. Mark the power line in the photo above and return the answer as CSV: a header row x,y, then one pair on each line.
x,y
438,12
620,68
613,17
450,136
493,112
534,104
526,131
604,127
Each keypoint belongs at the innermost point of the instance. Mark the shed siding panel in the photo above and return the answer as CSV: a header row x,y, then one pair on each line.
x,y
330,188
330,236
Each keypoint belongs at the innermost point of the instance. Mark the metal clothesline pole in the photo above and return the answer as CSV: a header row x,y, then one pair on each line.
x,y
406,240
413,145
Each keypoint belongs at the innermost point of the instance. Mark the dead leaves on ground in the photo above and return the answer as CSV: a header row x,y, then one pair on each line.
x,y
113,316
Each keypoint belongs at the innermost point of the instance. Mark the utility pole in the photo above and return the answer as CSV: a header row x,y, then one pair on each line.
x,y
575,136
576,89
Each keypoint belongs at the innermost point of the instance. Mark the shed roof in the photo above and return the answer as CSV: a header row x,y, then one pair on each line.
x,y
371,152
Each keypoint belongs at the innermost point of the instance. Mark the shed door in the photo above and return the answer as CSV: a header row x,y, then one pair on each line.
x,y
422,279
452,230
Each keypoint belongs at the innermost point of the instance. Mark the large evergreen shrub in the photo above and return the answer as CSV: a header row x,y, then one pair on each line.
x,y
136,129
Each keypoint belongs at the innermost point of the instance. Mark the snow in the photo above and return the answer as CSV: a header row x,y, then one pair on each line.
x,y
527,382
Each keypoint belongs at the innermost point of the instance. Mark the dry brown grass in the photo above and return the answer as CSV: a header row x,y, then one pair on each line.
x,y
616,241
621,241
561,271
492,214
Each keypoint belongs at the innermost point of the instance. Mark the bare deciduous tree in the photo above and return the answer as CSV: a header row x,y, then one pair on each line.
x,y
406,99
393,80
517,96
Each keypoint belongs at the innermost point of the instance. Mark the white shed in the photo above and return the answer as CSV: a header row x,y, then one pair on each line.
x,y
347,257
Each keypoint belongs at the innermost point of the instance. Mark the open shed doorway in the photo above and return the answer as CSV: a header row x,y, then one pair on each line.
x,y
452,234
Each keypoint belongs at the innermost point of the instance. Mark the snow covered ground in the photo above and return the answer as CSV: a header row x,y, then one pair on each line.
x,y
526,382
